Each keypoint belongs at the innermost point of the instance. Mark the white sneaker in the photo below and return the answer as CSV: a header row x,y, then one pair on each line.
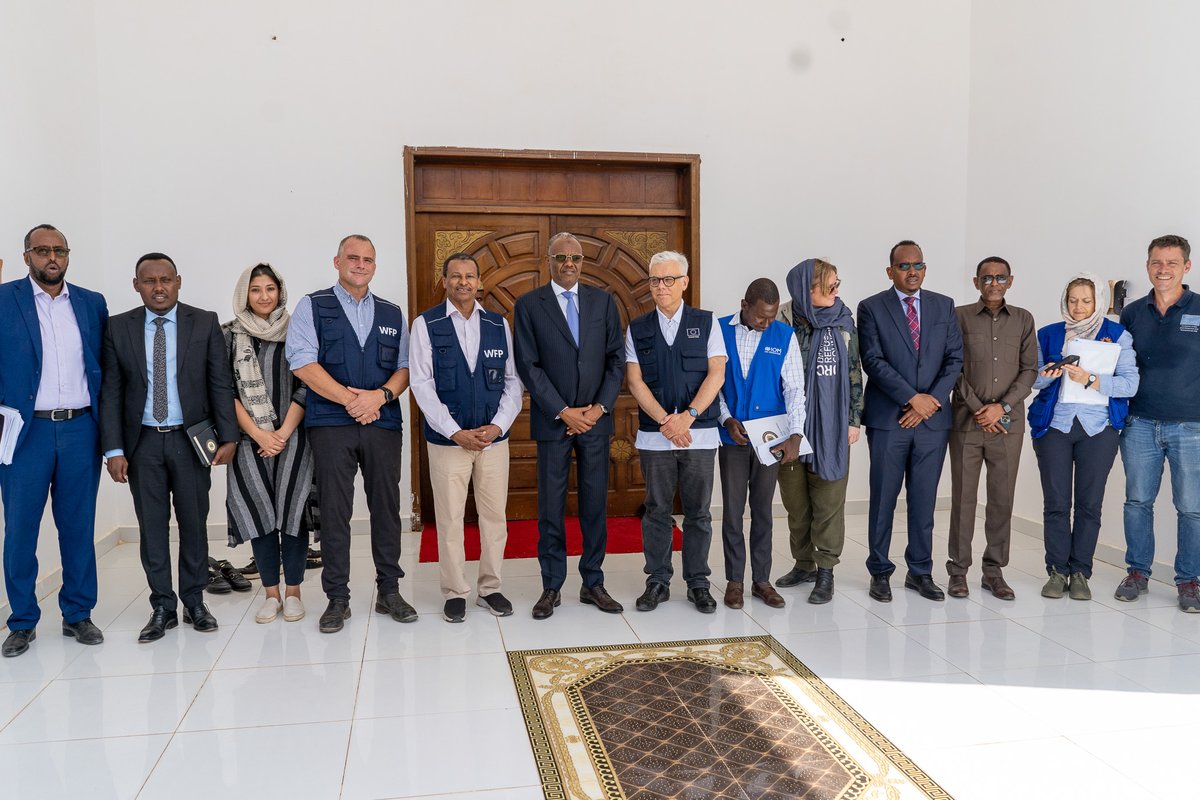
x,y
269,610
293,609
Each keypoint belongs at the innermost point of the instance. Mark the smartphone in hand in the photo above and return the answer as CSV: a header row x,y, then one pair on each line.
x,y
1072,359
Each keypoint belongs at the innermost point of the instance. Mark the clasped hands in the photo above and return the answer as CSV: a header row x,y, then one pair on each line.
x,y
988,418
581,419
476,439
920,408
364,405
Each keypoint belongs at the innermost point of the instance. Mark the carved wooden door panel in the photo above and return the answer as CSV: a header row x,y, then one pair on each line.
x,y
511,253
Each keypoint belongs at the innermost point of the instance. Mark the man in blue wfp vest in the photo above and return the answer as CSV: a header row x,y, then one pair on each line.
x,y
465,381
675,365
764,377
351,348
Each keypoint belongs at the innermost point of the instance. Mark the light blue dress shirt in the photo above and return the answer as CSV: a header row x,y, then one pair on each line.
x,y
904,305
174,409
302,346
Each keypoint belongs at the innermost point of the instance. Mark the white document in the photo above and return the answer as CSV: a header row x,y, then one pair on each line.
x,y
12,424
767,432
1099,358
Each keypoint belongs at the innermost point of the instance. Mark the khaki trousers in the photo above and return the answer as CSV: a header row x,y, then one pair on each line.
x,y
969,452
816,512
451,470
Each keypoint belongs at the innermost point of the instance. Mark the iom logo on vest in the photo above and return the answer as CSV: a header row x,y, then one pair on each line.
x,y
773,351
493,353
386,331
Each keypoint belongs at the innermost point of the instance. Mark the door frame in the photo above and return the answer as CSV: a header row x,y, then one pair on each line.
x,y
415,157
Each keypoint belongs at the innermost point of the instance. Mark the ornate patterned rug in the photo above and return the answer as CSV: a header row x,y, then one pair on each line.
x,y
739,718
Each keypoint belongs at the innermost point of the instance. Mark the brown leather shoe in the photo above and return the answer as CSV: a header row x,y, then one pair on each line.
x,y
544,607
733,594
999,589
599,597
764,591
957,586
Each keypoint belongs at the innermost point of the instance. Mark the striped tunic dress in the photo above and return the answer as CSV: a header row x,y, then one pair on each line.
x,y
266,495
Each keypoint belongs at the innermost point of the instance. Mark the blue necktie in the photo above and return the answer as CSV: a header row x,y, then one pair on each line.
x,y
572,316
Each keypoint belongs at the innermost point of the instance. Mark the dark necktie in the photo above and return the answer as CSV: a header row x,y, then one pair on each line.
x,y
159,400
914,325
572,316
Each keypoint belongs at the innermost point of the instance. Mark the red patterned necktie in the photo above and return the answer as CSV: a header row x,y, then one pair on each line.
x,y
914,325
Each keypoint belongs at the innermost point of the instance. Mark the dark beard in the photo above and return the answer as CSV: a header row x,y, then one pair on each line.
x,y
49,280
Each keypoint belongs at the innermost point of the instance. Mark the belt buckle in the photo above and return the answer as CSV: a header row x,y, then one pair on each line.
x,y
164,428
65,412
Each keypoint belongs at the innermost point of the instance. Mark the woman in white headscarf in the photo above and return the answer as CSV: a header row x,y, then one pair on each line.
x,y
270,479
1076,442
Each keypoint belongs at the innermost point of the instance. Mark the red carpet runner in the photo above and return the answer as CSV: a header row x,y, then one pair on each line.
x,y
624,536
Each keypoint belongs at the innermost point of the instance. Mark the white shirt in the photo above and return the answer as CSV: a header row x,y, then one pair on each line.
x,y
420,372
702,438
791,371
63,383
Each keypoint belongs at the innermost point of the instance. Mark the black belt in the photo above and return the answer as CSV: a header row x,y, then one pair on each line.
x,y
163,428
61,414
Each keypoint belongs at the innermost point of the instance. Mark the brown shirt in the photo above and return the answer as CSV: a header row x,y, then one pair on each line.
x,y
999,363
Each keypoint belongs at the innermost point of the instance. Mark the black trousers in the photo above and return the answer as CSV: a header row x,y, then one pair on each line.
x,y
913,458
691,472
164,472
1073,460
339,452
742,476
591,470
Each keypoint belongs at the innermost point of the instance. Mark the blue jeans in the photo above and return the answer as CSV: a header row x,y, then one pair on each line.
x,y
1145,444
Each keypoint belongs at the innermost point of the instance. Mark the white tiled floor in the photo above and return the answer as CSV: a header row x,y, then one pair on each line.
x,y
1034,698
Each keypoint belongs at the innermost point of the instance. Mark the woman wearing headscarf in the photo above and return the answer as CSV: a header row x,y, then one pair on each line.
x,y
814,488
1076,442
270,479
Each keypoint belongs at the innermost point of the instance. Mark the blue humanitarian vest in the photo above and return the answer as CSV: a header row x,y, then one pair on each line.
x,y
365,367
760,393
674,373
471,397
1041,410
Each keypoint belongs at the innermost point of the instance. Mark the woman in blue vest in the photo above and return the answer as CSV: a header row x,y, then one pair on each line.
x,y
1076,442
271,476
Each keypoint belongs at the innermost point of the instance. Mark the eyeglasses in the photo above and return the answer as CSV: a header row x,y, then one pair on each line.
x,y
667,280
833,287
988,280
44,252
919,267
563,258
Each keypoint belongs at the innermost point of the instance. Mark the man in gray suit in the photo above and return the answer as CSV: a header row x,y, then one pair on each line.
x,y
569,354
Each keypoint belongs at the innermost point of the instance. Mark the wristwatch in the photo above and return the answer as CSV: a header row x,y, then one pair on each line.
x,y
603,409
388,394
1006,408
693,412
1091,379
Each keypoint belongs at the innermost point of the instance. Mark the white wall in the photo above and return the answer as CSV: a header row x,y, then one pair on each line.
x,y
1082,149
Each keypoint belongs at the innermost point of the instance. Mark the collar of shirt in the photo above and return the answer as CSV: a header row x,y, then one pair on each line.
x,y
169,316
663,319
981,307
346,297
558,290
736,322
452,310
39,291
904,296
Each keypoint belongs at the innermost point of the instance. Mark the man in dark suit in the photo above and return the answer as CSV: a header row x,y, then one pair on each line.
x,y
166,368
570,355
50,374
912,354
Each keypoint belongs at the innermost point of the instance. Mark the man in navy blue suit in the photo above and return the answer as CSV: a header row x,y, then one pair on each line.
x,y
50,373
912,354
570,355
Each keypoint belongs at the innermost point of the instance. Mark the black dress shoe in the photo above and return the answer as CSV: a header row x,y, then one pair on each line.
x,y
823,591
599,597
83,631
200,618
655,593
924,586
335,616
701,598
312,560
545,605
217,583
160,622
880,590
18,642
251,569
795,577
233,576
396,607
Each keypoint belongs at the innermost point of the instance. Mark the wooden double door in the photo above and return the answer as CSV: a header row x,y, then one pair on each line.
x,y
510,245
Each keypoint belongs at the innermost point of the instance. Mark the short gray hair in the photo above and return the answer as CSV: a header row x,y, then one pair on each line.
x,y
558,237
357,237
669,255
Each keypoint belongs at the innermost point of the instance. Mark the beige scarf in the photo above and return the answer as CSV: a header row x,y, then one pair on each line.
x,y
1086,328
245,328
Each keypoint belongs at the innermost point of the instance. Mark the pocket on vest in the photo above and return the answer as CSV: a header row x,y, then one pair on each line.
x,y
332,348
389,356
